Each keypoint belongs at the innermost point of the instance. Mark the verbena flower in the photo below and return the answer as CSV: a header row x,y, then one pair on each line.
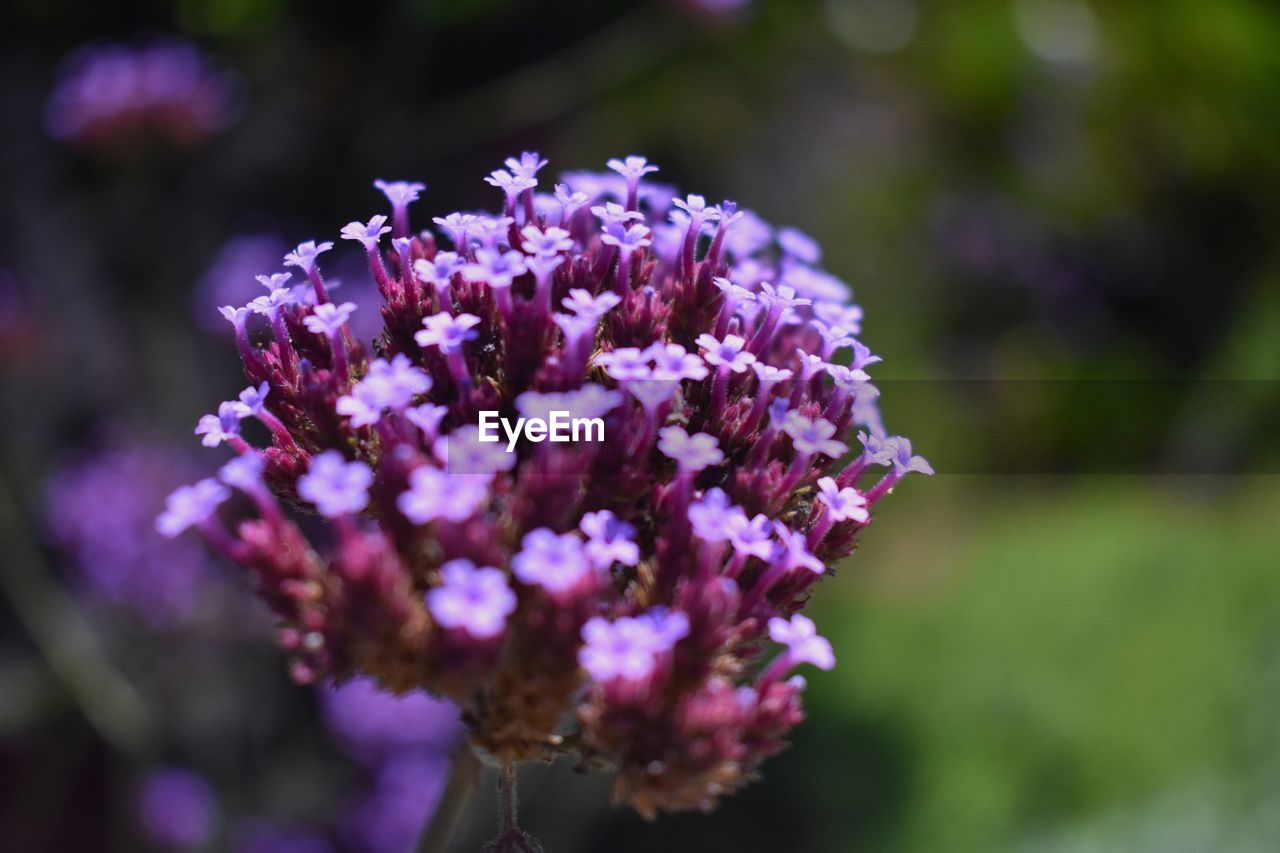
x,y
646,586
116,93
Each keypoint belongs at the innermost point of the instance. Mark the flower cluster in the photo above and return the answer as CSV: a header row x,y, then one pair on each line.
x,y
646,586
116,92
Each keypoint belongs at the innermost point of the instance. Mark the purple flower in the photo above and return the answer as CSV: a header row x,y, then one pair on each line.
x,y
799,245
554,562
583,555
542,266
847,318
328,319
652,393
589,401
224,426
800,636
845,504
710,516
625,363
627,649
271,304
570,202
781,296
304,256
552,241
695,207
336,486
437,272
612,215
100,508
376,724
609,540
436,494
252,400
511,184
243,472
674,362
904,461
527,166
235,316
447,332
118,94
767,373
813,436
367,233
628,238
795,553
589,307
458,225
499,269
632,168
692,452
190,505
388,385
427,417
847,378
400,193
475,600
752,537
727,353
177,809
462,452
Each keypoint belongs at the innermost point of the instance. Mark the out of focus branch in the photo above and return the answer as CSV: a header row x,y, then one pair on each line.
x,y
548,89
64,638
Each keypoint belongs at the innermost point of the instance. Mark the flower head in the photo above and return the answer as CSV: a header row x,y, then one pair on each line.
x,y
608,593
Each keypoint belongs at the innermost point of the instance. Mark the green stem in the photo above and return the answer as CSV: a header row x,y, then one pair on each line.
x,y
464,772
64,638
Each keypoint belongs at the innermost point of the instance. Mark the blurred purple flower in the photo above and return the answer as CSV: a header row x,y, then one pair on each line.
x,y
101,508
177,809
374,724
117,93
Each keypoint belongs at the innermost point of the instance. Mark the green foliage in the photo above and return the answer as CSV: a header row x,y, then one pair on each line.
x,y
1087,650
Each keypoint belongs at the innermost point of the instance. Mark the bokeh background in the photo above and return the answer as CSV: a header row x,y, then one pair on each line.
x,y
1059,215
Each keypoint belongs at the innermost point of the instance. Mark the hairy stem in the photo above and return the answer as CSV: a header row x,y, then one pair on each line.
x,y
511,839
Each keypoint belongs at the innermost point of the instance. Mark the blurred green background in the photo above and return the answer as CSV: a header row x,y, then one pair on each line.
x,y
1060,217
